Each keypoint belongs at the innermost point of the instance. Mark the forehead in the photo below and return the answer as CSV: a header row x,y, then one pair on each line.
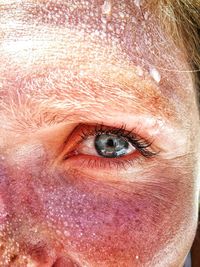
x,y
126,23
111,40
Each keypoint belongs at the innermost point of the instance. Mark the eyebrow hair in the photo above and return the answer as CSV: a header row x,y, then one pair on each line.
x,y
80,99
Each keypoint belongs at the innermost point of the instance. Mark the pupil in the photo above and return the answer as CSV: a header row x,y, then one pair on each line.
x,y
111,146
110,143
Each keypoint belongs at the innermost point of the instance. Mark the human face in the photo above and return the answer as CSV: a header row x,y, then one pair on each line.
x,y
66,68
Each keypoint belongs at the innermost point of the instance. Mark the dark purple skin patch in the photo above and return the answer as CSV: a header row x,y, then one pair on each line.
x,y
104,223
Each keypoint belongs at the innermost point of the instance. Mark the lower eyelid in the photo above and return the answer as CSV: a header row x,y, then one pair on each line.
x,y
104,164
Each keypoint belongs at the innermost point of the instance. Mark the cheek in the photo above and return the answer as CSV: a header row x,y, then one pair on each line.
x,y
101,223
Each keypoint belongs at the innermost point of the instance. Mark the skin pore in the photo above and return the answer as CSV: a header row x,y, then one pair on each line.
x,y
67,66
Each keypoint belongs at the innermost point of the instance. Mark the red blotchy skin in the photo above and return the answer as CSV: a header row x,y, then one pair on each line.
x,y
61,68
104,224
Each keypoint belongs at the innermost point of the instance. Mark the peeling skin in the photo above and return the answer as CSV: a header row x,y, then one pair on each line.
x,y
72,62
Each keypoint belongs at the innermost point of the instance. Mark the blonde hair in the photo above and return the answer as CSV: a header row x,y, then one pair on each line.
x,y
181,19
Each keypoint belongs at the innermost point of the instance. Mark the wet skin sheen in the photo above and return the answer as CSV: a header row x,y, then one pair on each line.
x,y
87,62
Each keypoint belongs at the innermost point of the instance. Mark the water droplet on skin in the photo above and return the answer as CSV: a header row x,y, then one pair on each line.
x,y
139,71
118,31
80,234
155,74
106,7
104,20
96,33
133,20
110,27
58,232
66,233
146,15
121,14
137,3
66,224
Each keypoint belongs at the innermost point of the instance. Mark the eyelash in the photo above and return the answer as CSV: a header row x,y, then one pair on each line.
x,y
142,146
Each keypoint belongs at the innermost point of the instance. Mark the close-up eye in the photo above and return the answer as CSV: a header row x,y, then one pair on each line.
x,y
99,133
100,143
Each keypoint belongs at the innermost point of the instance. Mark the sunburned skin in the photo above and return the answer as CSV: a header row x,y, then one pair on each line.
x,y
87,62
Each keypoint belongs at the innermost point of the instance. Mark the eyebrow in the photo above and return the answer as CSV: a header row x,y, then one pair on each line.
x,y
82,100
